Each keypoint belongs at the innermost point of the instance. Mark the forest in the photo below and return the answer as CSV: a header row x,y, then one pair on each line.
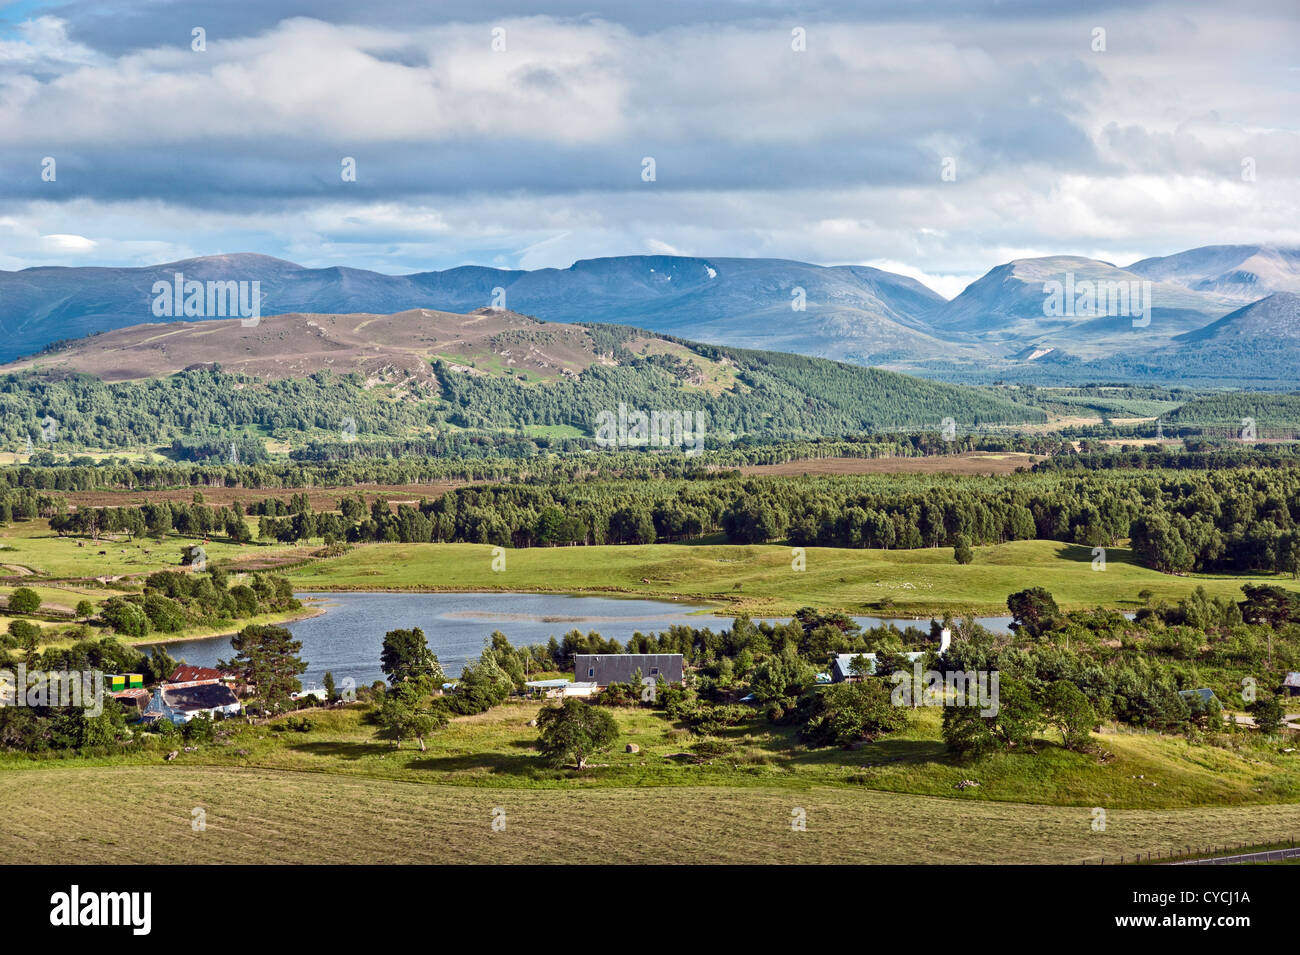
x,y
1242,519
198,413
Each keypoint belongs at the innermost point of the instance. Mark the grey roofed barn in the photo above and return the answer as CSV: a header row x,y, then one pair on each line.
x,y
606,668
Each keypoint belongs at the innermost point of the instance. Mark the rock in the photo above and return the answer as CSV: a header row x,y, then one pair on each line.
x,y
170,756
633,748
532,722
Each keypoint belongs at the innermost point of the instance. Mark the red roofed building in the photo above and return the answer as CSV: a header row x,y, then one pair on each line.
x,y
186,675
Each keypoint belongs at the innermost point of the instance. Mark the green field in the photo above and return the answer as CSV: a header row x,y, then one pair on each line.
x,y
497,750
145,815
66,570
337,794
760,580
29,547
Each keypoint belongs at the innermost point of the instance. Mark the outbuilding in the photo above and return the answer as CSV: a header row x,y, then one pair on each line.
x,y
557,689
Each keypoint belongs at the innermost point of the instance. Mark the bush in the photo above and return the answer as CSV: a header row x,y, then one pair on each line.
x,y
24,600
619,694
24,634
845,713
164,614
707,719
199,730
1268,713
125,617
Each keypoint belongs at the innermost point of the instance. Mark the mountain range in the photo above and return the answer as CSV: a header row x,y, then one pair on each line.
x,y
1154,318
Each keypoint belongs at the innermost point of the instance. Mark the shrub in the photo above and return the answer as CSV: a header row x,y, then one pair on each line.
x,y
125,617
24,600
847,713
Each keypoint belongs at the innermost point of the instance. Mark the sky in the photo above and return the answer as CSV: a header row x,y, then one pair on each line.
x,y
935,139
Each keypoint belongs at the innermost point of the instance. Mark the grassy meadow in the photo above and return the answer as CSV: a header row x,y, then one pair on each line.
x,y
759,579
335,793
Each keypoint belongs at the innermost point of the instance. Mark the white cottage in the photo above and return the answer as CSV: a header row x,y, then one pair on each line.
x,y
180,704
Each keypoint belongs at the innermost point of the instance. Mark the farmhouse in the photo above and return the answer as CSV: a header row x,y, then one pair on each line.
x,y
842,668
603,669
190,692
1291,685
180,704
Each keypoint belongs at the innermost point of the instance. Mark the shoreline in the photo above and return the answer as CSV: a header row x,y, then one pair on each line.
x,y
716,611
716,607
170,638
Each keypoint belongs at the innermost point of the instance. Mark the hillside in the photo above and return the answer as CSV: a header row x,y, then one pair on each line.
x,y
1008,309
1274,415
440,380
1258,339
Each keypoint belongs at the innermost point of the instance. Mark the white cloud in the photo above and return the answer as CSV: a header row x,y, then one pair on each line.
x,y
517,157
949,286
67,243
43,44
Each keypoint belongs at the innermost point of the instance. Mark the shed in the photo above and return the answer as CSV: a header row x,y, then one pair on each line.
x,y
1205,694
554,689
134,701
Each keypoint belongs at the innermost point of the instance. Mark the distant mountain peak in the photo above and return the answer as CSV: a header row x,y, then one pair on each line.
x,y
853,313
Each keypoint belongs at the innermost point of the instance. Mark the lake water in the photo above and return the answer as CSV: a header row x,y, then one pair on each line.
x,y
347,638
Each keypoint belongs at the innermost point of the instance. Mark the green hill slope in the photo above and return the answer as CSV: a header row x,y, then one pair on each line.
x,y
434,382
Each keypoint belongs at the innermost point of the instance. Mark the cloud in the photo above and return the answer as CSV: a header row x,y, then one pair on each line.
x,y
77,244
42,44
531,155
